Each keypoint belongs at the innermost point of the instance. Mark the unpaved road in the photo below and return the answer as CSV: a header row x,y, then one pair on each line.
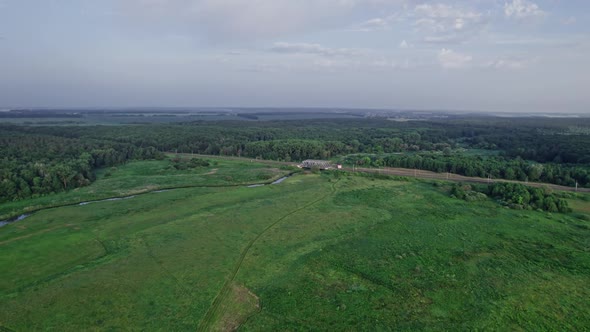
x,y
419,174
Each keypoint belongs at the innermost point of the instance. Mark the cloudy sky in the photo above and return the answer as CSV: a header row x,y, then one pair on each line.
x,y
489,55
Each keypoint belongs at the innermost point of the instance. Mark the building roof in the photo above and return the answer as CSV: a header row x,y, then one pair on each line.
x,y
322,164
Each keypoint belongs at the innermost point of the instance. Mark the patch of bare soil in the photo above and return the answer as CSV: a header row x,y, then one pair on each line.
x,y
240,304
213,171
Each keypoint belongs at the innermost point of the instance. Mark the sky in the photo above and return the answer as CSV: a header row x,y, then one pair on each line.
x,y
477,55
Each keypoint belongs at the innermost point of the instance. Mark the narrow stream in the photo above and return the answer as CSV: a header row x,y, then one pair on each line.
x,y
274,182
107,200
10,221
280,180
24,216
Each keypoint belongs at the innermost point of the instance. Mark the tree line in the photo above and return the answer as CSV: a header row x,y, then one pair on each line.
x,y
495,167
39,160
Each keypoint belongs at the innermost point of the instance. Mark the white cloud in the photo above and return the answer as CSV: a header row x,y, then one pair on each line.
x,y
317,49
551,42
444,39
507,63
404,44
452,60
430,24
380,23
569,21
373,25
522,9
442,17
220,20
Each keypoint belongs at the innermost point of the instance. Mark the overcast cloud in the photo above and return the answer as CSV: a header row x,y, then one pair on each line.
x,y
489,55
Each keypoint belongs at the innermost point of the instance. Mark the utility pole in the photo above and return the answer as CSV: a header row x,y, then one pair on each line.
x,y
576,186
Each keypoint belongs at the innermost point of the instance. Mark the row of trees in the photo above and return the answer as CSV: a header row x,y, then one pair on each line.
x,y
496,167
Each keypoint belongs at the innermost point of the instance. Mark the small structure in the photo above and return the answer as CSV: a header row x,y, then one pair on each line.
x,y
338,166
320,164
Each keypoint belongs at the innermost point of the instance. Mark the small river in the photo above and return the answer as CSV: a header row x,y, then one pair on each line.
x,y
275,182
107,200
24,216
280,180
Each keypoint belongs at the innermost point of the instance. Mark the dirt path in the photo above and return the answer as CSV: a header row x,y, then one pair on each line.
x,y
416,173
207,321
420,174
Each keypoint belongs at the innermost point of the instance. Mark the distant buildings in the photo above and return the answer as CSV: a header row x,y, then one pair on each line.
x,y
319,164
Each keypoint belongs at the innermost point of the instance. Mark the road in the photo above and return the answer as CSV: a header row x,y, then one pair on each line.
x,y
414,173
421,174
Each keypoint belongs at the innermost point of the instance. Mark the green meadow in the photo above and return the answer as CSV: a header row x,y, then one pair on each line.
x,y
145,176
316,252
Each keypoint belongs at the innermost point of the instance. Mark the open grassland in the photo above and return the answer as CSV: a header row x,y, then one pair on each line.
x,y
145,176
317,252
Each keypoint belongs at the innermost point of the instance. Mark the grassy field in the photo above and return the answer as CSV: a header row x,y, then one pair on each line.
x,y
144,176
317,252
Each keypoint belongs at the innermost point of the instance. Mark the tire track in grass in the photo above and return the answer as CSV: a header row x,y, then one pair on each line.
x,y
205,324
22,237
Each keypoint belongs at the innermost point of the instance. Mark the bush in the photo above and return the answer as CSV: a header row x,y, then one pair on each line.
x,y
514,195
193,163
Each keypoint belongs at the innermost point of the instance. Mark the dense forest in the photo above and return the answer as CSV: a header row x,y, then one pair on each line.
x,y
39,160
35,164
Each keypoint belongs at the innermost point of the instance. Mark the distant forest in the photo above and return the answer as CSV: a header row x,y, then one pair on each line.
x,y
40,160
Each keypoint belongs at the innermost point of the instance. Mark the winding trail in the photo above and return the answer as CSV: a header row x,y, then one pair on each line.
x,y
207,321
